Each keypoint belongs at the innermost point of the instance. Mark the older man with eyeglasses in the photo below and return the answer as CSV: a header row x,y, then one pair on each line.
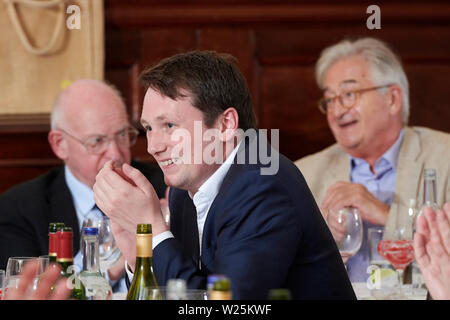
x,y
89,126
377,163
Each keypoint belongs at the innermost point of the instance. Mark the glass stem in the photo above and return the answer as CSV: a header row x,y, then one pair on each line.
x,y
400,280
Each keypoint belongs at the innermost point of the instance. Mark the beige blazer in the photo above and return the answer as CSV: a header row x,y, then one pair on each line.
x,y
421,148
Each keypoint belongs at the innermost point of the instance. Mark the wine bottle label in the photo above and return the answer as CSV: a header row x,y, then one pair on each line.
x,y
144,245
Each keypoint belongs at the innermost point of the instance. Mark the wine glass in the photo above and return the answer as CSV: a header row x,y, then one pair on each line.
x,y
398,249
43,263
109,251
14,268
350,235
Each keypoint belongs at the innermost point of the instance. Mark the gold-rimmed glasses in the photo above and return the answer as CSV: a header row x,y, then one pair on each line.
x,y
348,98
99,143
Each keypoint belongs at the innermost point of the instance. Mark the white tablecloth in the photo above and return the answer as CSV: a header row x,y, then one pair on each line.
x,y
363,292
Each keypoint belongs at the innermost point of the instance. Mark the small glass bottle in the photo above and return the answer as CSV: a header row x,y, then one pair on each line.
x,y
429,191
65,261
53,227
144,285
97,287
429,200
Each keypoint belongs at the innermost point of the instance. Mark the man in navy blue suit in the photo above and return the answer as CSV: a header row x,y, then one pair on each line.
x,y
238,207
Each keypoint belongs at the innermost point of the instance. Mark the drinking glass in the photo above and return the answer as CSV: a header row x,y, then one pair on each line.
x,y
109,251
350,222
14,268
43,263
382,281
398,249
375,235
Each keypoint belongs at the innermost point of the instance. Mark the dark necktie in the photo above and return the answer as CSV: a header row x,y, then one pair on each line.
x,y
190,229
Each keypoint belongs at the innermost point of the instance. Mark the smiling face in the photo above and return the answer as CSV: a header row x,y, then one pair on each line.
x,y
162,117
372,125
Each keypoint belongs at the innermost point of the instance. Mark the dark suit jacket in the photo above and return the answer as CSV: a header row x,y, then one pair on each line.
x,y
27,209
262,231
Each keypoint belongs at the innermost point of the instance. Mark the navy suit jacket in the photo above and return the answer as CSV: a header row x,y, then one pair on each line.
x,y
262,231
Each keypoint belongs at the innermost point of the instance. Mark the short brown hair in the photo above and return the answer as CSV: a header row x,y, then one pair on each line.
x,y
213,79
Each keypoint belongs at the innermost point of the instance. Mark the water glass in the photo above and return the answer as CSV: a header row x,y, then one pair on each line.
x,y
14,269
374,235
43,263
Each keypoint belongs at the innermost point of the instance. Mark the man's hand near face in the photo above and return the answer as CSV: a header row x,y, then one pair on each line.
x,y
128,198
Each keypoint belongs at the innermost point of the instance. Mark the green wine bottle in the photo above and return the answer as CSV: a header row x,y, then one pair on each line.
x,y
53,241
144,285
65,261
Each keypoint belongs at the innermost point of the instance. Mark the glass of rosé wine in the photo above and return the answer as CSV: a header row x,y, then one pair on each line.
x,y
399,251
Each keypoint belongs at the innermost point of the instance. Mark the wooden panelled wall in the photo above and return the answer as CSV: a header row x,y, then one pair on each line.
x,y
276,43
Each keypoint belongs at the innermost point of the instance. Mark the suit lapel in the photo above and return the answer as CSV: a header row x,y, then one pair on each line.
x,y
407,182
61,208
339,165
409,166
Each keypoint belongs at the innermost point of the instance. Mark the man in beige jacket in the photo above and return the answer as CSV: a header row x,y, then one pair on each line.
x,y
377,163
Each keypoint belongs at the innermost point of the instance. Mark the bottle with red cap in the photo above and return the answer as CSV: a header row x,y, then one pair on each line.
x,y
65,260
53,241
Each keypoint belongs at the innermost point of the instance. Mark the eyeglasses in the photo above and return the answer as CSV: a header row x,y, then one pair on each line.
x,y
98,144
347,98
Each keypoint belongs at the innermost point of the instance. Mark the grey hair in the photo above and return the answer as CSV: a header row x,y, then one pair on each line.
x,y
385,65
57,114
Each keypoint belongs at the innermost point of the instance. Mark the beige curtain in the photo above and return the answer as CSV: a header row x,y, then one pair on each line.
x,y
40,54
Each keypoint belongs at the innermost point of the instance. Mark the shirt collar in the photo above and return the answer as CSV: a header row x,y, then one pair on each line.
x,y
210,188
82,195
391,155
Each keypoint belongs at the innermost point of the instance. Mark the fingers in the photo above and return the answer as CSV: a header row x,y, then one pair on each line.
x,y
29,287
25,282
435,238
446,209
342,194
47,279
443,225
61,291
443,220
337,228
137,177
420,252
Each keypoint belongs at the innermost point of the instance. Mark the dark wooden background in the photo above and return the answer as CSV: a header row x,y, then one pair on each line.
x,y
276,43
